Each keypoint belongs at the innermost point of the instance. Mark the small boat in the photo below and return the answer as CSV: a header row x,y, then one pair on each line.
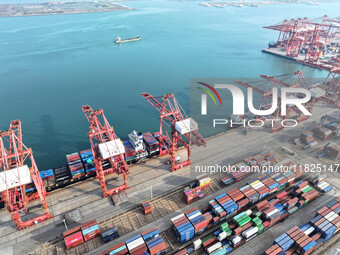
x,y
120,40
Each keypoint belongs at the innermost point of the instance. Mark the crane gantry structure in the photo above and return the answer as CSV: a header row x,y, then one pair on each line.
x,y
182,129
107,149
18,168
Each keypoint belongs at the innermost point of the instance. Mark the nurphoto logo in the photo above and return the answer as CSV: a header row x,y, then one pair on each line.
x,y
288,97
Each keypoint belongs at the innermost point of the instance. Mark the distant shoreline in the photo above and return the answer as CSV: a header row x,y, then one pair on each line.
x,y
60,8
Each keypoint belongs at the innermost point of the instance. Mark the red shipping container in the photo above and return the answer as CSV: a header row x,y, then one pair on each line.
x,y
209,241
139,248
73,240
71,231
157,248
91,235
181,252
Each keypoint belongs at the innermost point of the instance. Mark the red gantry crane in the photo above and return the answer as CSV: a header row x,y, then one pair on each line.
x,y
108,150
264,88
332,87
18,168
309,35
182,128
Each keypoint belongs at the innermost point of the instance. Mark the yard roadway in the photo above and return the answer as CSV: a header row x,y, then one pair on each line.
x,y
226,148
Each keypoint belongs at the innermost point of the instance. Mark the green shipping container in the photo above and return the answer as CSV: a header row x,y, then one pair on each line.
x,y
243,222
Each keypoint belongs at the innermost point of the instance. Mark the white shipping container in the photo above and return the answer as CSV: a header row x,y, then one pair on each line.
x,y
195,215
222,236
214,247
235,239
111,148
309,231
197,244
249,232
177,217
135,243
185,126
15,177
248,212
272,212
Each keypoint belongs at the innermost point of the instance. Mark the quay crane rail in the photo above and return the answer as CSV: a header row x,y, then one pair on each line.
x,y
18,168
182,128
107,149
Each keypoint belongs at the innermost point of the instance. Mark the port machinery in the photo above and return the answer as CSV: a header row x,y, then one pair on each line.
x,y
182,128
264,87
107,148
18,168
332,87
310,34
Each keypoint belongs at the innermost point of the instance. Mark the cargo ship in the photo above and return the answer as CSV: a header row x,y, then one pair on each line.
x,y
80,165
120,40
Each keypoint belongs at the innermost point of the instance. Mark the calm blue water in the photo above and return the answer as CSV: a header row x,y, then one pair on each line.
x,y
52,65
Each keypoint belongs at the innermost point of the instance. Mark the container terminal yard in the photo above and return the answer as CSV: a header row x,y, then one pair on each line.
x,y
122,218
310,42
151,193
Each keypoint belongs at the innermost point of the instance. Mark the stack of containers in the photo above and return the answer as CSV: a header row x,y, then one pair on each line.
x,y
130,152
323,133
335,127
61,174
332,151
294,240
225,232
250,233
118,249
270,183
307,137
324,187
197,220
90,230
75,165
238,175
182,228
209,241
290,204
152,144
260,188
30,187
47,177
235,241
285,242
203,181
192,195
73,237
227,204
290,177
228,181
250,193
154,242
235,194
239,198
242,218
146,207
280,179
217,210
87,159
305,192
136,245
109,235
272,214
